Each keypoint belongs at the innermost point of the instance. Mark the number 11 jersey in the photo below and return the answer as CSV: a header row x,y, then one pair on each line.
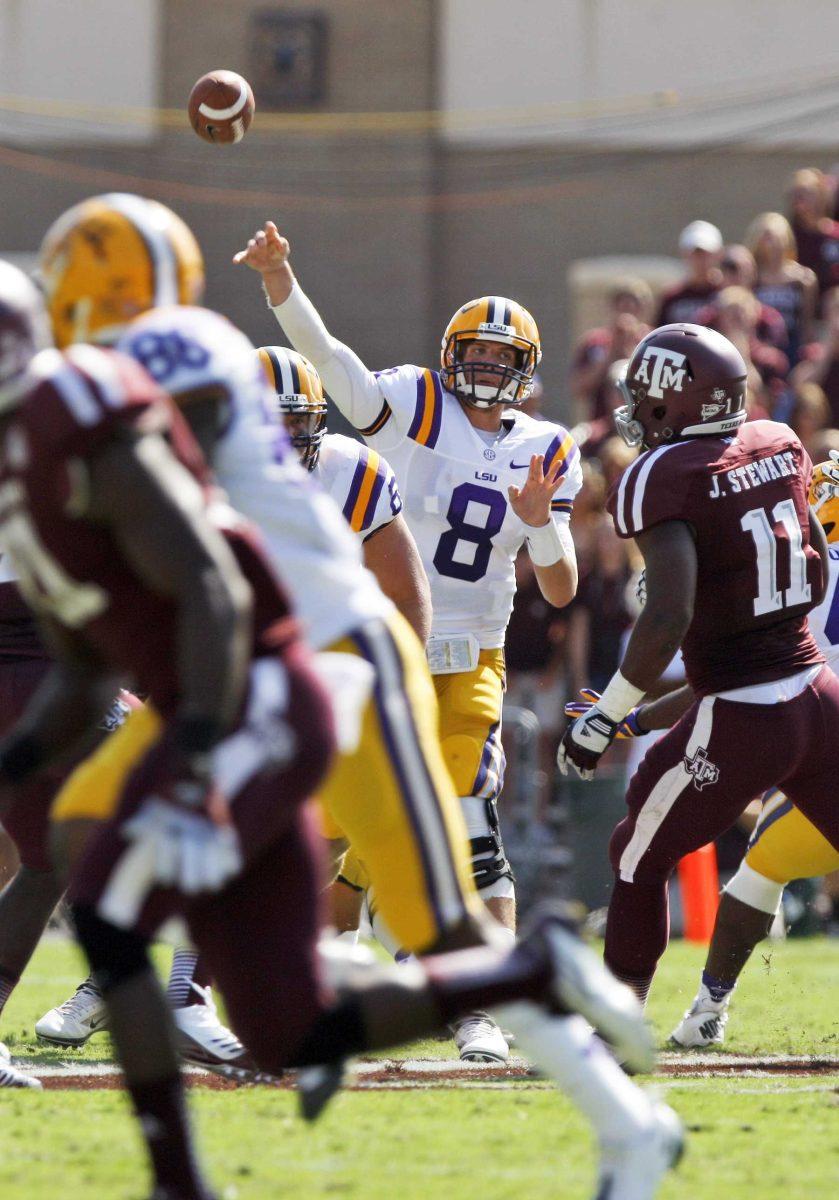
x,y
745,498
453,481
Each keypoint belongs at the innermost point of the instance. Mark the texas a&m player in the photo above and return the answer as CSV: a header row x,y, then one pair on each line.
x,y
734,562
784,844
478,479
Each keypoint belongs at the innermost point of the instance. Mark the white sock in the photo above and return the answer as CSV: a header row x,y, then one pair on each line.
x,y
566,1049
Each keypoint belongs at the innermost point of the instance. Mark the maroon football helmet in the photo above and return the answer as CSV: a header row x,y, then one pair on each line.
x,y
681,381
24,330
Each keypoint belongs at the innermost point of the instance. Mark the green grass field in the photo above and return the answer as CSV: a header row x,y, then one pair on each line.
x,y
750,1136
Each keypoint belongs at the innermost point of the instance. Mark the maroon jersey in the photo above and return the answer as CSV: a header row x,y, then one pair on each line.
x,y
70,567
745,498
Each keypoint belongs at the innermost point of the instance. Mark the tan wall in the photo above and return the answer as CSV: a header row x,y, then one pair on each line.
x,y
379,50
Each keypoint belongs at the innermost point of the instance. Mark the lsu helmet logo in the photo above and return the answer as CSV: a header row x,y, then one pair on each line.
x,y
661,368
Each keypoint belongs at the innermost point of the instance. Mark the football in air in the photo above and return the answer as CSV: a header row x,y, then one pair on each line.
x,y
221,107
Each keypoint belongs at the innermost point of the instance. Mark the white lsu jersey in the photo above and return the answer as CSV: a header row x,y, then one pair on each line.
x,y
315,554
454,482
824,618
360,482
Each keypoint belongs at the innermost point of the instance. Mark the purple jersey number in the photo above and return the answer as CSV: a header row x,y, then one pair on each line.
x,y
495,507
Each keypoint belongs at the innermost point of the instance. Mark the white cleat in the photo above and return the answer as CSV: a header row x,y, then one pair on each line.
x,y
479,1039
633,1170
583,984
76,1020
702,1025
203,1041
12,1076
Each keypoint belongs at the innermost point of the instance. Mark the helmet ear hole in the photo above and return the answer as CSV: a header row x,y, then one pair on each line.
x,y
660,412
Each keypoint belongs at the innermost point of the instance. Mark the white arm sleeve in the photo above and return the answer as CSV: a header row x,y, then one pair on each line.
x,y
354,389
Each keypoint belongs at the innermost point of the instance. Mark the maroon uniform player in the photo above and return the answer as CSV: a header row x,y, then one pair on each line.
x,y
734,562
30,897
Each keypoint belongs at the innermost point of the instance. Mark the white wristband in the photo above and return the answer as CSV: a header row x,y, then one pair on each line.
x,y
544,544
619,698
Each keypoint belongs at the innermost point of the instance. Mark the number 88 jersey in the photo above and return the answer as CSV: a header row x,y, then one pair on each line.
x,y
745,499
453,480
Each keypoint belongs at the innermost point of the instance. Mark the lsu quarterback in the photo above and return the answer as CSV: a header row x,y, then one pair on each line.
x,y
478,479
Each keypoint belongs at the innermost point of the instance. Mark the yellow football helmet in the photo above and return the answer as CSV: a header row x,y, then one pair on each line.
x,y
299,399
824,495
112,257
490,319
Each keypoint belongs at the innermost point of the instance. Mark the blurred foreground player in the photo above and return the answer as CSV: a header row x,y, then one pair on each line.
x,y
28,899
734,562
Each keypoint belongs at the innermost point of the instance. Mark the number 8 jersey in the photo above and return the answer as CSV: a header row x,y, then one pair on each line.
x,y
453,480
745,498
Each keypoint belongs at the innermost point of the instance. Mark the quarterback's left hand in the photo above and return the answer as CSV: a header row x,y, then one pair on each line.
x,y
585,742
532,503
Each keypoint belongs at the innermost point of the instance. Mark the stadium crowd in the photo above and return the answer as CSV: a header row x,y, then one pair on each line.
x,y
775,295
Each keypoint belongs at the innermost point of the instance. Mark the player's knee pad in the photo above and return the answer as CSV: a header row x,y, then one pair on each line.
x,y
115,955
747,886
490,866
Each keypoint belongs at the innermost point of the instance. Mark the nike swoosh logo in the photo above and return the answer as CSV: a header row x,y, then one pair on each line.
x,y
519,466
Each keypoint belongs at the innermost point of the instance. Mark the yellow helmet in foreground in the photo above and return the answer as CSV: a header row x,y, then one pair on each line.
x,y
490,319
112,257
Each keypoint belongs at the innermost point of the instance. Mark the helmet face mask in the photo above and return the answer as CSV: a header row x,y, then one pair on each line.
x,y
501,321
681,381
299,394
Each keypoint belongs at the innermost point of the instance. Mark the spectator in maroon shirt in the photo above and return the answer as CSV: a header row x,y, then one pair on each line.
x,y
781,280
816,234
630,306
700,245
820,360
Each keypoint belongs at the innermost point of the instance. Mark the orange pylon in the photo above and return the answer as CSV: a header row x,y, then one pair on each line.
x,y
700,887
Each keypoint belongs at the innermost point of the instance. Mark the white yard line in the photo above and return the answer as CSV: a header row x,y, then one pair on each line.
x,y
407,1072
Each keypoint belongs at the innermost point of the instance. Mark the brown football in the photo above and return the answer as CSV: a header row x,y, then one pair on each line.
x,y
221,107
